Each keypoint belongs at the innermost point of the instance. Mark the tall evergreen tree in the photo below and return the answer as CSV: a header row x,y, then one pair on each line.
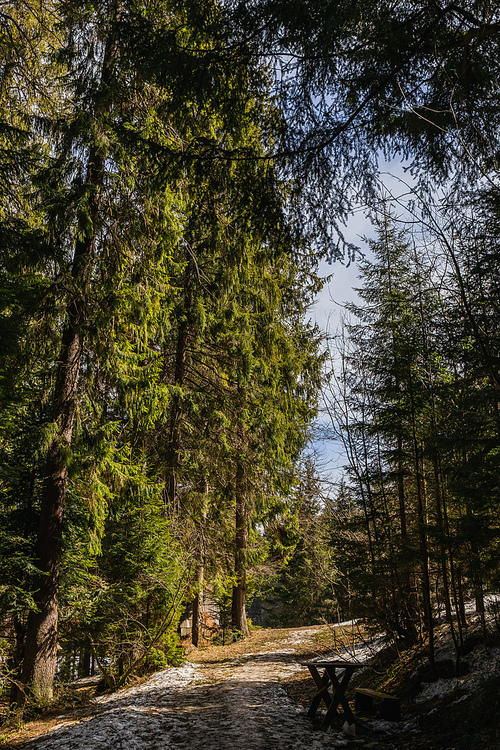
x,y
134,185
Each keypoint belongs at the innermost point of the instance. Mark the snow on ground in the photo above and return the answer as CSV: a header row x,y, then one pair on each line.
x,y
238,703
482,663
359,652
363,651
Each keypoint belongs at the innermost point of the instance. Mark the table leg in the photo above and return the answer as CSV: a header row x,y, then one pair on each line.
x,y
322,683
339,696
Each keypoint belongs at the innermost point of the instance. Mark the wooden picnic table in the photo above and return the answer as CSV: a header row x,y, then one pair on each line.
x,y
332,675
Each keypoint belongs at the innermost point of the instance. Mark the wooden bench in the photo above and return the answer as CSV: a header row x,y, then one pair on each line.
x,y
390,707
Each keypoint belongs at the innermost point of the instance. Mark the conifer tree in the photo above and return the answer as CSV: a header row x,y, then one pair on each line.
x,y
111,204
416,80
391,372
136,216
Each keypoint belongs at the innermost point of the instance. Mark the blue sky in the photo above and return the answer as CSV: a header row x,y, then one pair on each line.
x,y
329,305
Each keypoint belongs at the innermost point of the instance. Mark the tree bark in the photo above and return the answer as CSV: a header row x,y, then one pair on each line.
x,y
196,631
41,631
422,535
477,580
15,663
443,538
238,608
84,664
401,489
172,458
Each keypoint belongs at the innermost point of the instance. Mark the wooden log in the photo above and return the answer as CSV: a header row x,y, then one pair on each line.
x,y
390,706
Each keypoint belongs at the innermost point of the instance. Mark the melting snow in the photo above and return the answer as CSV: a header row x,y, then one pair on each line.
x,y
176,710
237,703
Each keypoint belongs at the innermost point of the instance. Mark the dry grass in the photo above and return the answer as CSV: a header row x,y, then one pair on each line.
x,y
317,640
21,726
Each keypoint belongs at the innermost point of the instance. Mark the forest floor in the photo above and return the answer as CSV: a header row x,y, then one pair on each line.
x,y
254,694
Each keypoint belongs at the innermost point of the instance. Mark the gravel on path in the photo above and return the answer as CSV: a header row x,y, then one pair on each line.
x,y
238,703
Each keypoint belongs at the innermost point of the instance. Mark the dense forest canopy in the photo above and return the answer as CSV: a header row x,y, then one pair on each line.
x,y
172,173
357,80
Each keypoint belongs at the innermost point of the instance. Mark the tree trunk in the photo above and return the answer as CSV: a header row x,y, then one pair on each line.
x,y
401,489
15,663
238,610
454,579
442,534
41,632
84,663
196,632
461,600
172,458
477,582
422,534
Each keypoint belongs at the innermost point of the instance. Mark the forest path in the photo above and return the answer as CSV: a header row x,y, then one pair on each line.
x,y
224,698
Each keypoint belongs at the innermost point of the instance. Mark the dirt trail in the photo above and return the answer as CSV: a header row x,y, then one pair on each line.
x,y
230,699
